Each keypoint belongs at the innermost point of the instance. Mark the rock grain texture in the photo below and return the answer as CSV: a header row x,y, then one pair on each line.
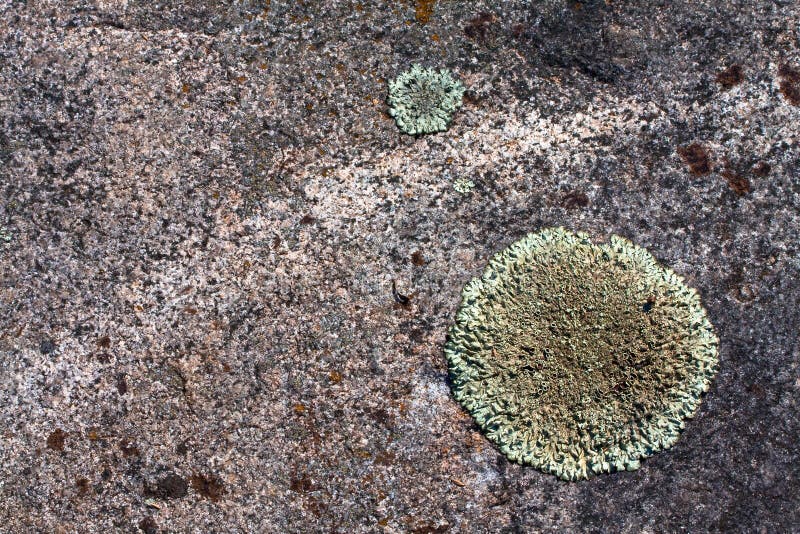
x,y
226,277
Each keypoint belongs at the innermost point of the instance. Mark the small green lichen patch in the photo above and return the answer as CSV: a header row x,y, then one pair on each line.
x,y
423,100
580,358
463,185
5,235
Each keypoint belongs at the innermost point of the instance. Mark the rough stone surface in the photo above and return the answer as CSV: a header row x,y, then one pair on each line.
x,y
226,277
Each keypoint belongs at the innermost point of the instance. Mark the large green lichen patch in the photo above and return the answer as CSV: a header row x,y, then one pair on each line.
x,y
580,358
423,100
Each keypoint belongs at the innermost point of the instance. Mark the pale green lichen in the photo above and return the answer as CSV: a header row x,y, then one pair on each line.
x,y
423,100
5,235
580,358
463,185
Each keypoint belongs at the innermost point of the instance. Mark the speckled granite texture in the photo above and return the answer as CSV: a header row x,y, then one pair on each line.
x,y
204,207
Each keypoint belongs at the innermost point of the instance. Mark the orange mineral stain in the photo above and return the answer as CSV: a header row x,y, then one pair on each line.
x,y
424,10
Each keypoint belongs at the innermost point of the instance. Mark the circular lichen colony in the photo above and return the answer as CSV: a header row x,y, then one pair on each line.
x,y
423,100
580,358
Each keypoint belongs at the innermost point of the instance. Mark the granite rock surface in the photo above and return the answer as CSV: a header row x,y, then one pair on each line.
x,y
226,277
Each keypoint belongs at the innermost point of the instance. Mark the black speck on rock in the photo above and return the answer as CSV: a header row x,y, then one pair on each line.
x,y
90,98
170,486
47,346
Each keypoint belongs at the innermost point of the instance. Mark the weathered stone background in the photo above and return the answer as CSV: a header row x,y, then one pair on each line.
x,y
203,206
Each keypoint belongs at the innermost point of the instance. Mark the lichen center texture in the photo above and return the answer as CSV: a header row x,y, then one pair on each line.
x,y
580,358
423,100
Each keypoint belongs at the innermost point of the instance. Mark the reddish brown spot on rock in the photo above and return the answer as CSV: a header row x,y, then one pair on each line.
x,y
757,390
148,525
479,27
83,486
385,458
302,484
417,258
208,486
761,169
730,77
790,83
382,417
122,385
315,507
575,199
56,440
128,449
739,184
104,342
307,219
697,157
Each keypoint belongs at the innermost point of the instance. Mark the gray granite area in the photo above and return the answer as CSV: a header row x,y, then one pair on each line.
x,y
205,208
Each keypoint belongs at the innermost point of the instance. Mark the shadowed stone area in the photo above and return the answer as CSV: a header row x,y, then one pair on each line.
x,y
226,277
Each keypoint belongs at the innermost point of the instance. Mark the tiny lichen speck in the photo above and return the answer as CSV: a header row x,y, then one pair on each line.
x,y
5,235
580,358
423,100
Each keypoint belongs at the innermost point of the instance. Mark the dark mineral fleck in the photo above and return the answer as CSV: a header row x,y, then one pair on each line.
x,y
47,346
169,486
